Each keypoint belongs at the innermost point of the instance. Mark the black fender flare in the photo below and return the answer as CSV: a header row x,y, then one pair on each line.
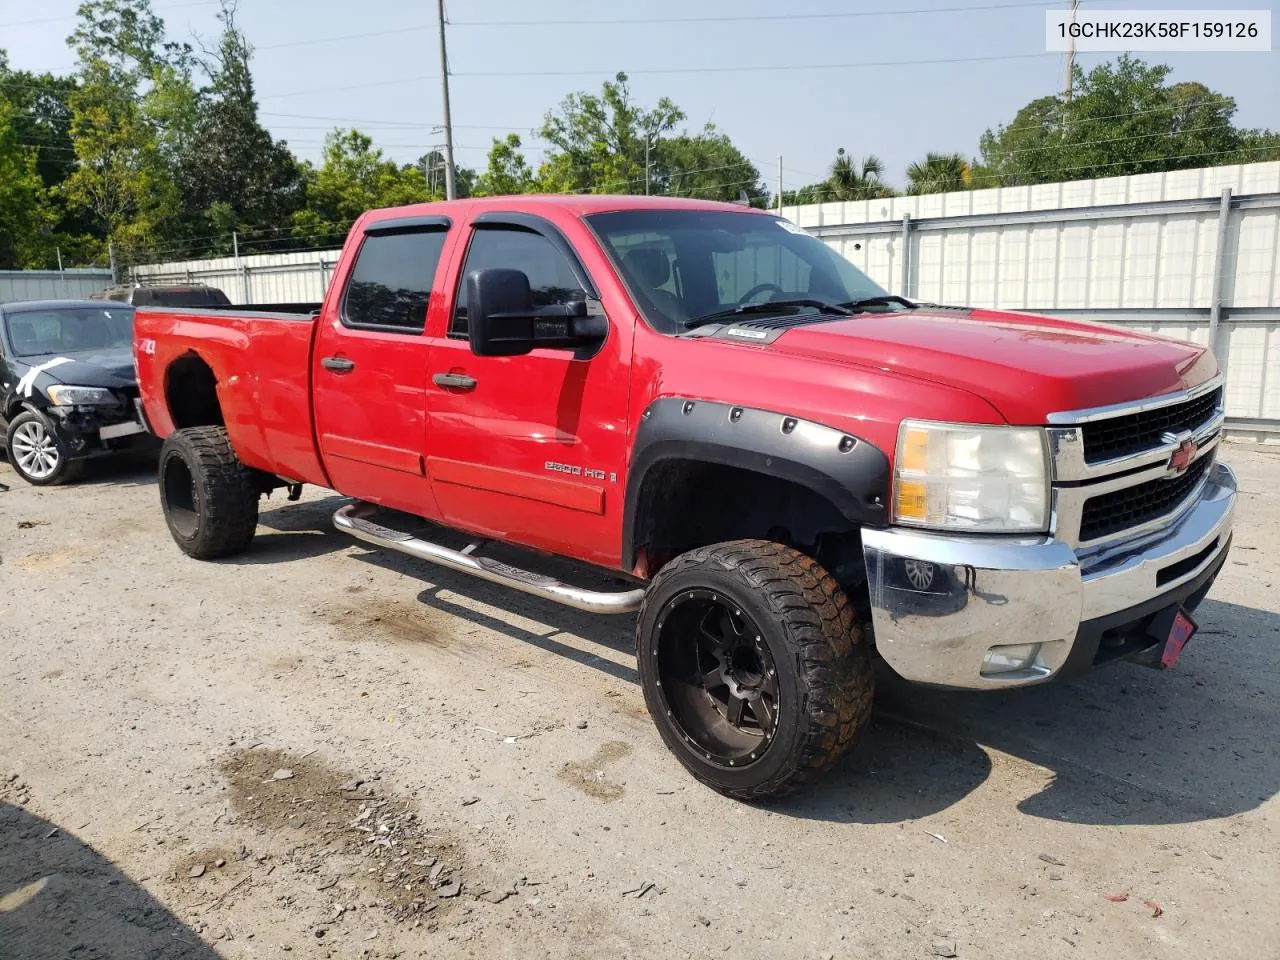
x,y
851,473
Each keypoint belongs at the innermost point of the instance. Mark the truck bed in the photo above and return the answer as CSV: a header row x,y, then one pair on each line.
x,y
260,362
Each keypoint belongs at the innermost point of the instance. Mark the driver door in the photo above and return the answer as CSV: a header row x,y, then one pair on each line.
x,y
529,448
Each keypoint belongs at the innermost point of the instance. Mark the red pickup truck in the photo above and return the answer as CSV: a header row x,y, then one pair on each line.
x,y
789,471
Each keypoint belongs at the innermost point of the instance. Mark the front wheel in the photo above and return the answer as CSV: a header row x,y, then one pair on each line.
x,y
209,498
753,666
35,452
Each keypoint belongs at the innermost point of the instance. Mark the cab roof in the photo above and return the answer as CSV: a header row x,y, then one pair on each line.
x,y
576,204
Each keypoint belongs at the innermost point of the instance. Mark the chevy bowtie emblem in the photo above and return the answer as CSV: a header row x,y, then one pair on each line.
x,y
1182,457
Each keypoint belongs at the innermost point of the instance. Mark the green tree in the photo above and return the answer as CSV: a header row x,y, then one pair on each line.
x,y
131,114
600,141
42,118
1123,119
353,177
939,173
234,176
708,167
507,171
24,216
848,181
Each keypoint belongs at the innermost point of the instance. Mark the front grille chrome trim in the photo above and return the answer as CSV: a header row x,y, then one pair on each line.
x,y
1068,503
1091,414
1066,448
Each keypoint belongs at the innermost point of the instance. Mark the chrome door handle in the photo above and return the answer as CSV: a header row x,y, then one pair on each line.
x,y
454,381
338,364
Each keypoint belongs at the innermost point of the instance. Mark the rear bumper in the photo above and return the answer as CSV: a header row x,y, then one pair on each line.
x,y
944,606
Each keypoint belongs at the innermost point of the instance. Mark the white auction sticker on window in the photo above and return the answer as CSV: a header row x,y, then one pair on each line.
x,y
790,227
1120,31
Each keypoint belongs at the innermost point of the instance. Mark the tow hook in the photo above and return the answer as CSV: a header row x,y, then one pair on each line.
x,y
295,492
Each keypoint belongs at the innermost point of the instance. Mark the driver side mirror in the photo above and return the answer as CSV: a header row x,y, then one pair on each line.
x,y
503,322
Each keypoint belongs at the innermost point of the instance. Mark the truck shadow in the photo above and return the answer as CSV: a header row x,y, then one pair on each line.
x,y
298,531
1126,745
60,898
1123,745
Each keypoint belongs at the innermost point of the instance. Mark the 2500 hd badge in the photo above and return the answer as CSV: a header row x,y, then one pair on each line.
x,y
580,471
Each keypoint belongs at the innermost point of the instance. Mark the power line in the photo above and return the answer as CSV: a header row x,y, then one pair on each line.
x,y
657,21
740,68
393,123
160,9
751,18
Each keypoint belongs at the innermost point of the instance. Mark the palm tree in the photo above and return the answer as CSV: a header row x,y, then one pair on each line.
x,y
939,173
848,182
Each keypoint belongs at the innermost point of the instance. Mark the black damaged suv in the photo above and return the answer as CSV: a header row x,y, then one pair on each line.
x,y
68,388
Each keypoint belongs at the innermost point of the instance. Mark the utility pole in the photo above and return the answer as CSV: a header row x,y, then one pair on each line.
x,y
779,185
450,187
1071,56
646,164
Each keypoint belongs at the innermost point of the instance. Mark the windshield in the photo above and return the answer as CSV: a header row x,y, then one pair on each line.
x,y
685,264
67,330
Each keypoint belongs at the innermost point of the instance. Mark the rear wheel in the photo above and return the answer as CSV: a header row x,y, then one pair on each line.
x,y
35,452
209,497
753,667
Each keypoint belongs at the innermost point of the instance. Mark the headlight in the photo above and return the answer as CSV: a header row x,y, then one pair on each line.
x,y
963,477
79,396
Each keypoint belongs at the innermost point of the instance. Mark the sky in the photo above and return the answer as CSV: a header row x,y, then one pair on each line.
x,y
895,79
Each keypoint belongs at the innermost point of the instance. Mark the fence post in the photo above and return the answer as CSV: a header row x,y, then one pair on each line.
x,y
324,275
906,254
1219,273
240,267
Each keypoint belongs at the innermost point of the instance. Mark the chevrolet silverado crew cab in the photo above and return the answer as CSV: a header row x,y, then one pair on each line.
x,y
787,471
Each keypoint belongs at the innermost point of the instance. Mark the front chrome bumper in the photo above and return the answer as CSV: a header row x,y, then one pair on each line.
x,y
940,604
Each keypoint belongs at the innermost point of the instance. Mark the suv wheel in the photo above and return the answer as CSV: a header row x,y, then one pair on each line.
x,y
35,452
753,667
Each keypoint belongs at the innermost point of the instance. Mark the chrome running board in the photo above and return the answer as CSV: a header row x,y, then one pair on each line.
x,y
353,519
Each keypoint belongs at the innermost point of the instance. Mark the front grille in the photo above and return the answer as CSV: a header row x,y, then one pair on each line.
x,y
1135,432
1133,506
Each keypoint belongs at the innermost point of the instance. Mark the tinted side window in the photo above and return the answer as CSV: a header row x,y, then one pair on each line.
x,y
550,277
390,284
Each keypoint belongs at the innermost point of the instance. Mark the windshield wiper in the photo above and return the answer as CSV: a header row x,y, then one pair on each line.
x,y
853,306
769,306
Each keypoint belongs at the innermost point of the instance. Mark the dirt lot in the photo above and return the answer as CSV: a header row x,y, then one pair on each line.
x,y
323,750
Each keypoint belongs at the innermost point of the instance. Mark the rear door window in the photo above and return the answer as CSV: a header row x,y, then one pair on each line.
x,y
390,285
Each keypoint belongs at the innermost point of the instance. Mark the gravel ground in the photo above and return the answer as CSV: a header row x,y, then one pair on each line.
x,y
324,750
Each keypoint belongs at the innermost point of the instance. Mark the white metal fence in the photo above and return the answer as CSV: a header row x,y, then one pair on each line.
x,y
1193,254
18,285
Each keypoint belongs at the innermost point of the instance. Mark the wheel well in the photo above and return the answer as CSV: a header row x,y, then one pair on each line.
x,y
191,393
685,504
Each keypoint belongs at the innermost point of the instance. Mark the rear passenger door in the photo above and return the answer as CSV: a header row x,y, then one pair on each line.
x,y
370,370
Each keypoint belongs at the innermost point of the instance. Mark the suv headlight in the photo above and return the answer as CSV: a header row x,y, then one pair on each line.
x,y
975,478
79,396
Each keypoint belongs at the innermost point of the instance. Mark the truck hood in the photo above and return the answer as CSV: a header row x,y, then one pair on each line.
x,y
1026,366
112,368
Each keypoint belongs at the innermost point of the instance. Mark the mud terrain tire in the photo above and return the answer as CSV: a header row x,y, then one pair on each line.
x,y
209,497
790,628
